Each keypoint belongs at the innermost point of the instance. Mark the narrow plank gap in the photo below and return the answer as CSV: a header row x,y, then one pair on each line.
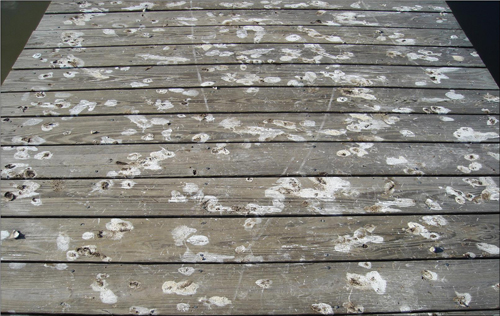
x,y
248,54
251,75
252,99
441,285
235,35
267,159
235,196
228,128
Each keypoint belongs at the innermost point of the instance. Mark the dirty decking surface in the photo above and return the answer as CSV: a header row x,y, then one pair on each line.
x,y
257,157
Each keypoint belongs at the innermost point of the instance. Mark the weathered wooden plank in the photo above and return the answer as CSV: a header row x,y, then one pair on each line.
x,y
247,53
487,312
444,285
208,128
247,17
252,239
249,34
248,75
130,6
244,100
174,197
251,159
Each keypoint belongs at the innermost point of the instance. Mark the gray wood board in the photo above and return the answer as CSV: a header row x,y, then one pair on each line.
x,y
208,128
289,239
353,308
245,289
247,53
251,75
265,34
249,159
130,6
246,18
187,197
244,100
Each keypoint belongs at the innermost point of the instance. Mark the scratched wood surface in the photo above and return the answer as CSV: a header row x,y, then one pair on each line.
x,y
202,128
252,289
246,53
130,6
251,75
251,239
256,157
247,18
251,99
190,197
235,35
249,159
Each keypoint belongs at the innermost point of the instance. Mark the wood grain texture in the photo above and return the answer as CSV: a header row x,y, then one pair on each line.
x,y
189,197
252,239
264,34
130,6
247,17
249,159
247,53
247,100
161,77
208,128
77,288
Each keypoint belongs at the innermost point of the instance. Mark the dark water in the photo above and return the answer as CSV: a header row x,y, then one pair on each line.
x,y
19,19
479,20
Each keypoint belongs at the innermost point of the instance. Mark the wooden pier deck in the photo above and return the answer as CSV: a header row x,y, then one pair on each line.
x,y
287,157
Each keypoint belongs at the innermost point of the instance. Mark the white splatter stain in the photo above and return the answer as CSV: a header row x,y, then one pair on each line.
x,y
17,265
63,241
219,301
177,197
139,310
360,236
417,229
463,299
322,308
198,240
180,288
491,249
117,228
183,307
81,106
88,235
468,134
391,161
436,75
186,270
371,280
435,220
180,233
366,265
189,256
140,7
164,60
105,294
433,205
4,235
